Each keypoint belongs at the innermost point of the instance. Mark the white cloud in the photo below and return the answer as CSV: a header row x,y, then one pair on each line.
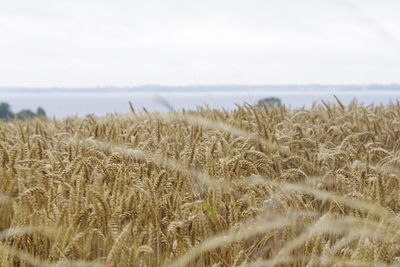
x,y
117,42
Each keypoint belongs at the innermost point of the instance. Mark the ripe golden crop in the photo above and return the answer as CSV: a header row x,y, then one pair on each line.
x,y
256,186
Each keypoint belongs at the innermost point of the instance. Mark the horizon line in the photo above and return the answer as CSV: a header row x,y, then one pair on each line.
x,y
205,85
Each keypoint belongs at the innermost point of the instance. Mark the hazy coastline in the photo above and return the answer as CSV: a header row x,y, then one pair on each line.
x,y
62,102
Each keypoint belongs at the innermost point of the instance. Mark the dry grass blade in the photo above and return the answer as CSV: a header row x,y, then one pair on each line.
x,y
245,231
325,195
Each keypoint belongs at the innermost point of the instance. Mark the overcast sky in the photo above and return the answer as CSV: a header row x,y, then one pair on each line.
x,y
77,43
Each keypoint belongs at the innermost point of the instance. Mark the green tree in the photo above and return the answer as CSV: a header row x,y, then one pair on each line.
x,y
26,114
269,101
40,112
5,111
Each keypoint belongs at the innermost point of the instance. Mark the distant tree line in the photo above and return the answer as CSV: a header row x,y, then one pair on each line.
x,y
6,113
269,101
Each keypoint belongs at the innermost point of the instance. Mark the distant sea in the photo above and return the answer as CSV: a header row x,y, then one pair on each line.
x,y
61,103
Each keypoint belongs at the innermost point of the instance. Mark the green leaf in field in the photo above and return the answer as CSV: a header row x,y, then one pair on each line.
x,y
211,211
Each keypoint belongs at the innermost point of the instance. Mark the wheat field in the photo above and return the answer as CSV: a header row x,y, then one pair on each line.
x,y
255,186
